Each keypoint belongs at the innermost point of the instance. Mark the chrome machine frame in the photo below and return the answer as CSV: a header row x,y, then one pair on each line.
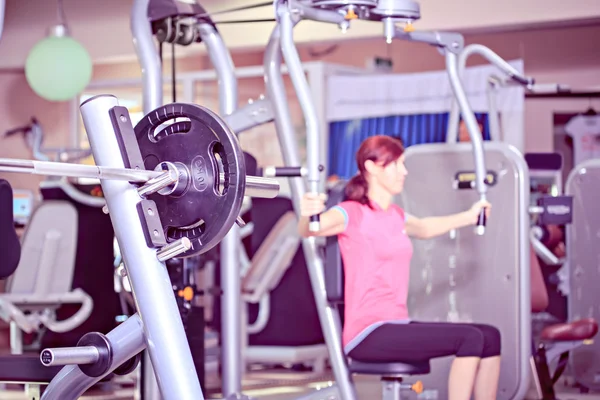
x,y
254,114
582,250
281,42
157,323
494,59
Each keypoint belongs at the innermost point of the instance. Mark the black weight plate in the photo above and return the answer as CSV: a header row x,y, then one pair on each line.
x,y
202,212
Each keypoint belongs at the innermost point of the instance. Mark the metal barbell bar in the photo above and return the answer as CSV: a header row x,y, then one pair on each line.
x,y
255,186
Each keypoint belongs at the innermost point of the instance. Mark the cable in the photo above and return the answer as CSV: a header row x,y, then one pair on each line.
x,y
244,21
174,82
249,7
62,19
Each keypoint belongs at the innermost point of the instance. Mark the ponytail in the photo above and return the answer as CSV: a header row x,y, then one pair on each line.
x,y
357,189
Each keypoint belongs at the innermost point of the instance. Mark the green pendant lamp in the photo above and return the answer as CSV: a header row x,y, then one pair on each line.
x,y
58,67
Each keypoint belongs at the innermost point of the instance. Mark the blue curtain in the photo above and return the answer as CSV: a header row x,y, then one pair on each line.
x,y
346,136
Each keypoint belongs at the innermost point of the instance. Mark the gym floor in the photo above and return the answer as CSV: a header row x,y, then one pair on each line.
x,y
269,385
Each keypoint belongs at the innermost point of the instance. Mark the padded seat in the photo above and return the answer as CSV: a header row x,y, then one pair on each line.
x,y
581,329
389,369
26,369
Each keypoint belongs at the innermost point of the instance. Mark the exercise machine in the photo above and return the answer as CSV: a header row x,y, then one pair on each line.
x,y
186,23
139,196
82,266
460,277
554,208
33,134
281,46
281,43
583,254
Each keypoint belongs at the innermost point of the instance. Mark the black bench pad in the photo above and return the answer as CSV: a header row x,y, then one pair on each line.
x,y
25,368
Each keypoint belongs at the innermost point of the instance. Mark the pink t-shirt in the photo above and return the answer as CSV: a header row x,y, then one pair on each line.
x,y
376,252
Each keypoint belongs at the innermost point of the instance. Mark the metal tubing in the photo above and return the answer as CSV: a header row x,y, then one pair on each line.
x,y
292,60
2,13
257,186
495,60
69,356
143,41
493,117
231,301
317,14
162,181
328,317
126,340
152,98
151,286
155,180
173,249
251,115
76,170
470,121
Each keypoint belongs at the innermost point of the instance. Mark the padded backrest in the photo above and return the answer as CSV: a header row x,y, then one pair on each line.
x,y
334,267
539,291
10,247
48,251
94,270
273,258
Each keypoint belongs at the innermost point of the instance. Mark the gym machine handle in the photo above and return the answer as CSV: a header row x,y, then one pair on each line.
x,y
523,80
288,172
481,220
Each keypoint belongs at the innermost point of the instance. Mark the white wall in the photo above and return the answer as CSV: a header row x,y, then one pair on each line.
x,y
104,29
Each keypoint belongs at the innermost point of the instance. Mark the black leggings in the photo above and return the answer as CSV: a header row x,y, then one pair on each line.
x,y
420,341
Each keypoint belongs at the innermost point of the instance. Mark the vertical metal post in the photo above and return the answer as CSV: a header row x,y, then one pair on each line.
x,y
230,260
152,85
152,98
470,121
493,118
495,60
292,60
153,293
317,80
2,12
328,317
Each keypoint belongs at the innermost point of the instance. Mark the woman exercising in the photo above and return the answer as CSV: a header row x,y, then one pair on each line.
x,y
375,246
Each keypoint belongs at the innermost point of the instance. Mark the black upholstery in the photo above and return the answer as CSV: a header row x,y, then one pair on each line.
x,y
25,368
334,286
10,246
387,369
294,292
334,273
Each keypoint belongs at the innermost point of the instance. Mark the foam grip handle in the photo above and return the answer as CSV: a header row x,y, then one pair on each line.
x,y
288,171
523,80
481,220
313,224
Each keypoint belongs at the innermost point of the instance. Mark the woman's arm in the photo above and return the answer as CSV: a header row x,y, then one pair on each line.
x,y
427,228
331,222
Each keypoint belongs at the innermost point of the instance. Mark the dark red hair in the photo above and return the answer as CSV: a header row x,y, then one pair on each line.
x,y
379,149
